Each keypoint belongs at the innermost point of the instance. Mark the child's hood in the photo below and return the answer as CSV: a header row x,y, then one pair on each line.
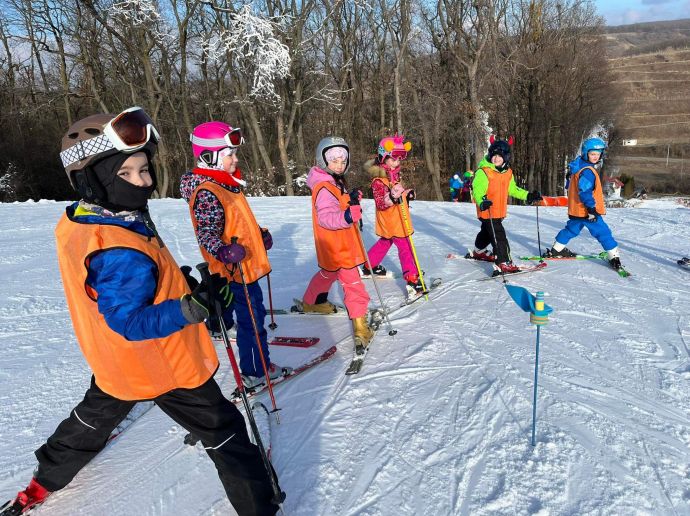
x,y
316,176
374,170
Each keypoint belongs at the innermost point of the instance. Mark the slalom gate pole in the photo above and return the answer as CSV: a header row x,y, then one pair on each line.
x,y
534,399
273,324
278,495
391,331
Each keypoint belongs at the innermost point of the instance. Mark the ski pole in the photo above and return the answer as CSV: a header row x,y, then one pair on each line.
x,y
408,229
493,231
273,324
391,331
269,384
539,235
534,399
278,495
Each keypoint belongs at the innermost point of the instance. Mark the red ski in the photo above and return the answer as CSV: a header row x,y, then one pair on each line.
x,y
295,342
296,372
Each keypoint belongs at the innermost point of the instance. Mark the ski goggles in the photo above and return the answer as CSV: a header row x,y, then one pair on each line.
x,y
127,132
130,130
233,139
399,154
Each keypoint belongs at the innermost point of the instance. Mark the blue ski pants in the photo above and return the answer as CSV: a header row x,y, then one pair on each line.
x,y
250,360
598,229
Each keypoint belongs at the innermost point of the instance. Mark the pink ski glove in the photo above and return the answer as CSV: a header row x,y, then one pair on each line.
x,y
396,192
353,214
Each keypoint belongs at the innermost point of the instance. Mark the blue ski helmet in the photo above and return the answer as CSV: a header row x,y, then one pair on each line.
x,y
592,144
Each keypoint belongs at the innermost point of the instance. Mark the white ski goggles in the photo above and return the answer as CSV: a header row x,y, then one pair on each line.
x,y
127,132
233,139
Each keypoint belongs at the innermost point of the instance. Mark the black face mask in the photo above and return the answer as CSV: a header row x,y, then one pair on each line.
x,y
119,195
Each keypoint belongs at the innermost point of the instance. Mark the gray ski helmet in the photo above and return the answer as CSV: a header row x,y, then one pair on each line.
x,y
327,143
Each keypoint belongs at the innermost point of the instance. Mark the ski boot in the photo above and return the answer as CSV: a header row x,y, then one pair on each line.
x,y
378,270
321,306
616,263
362,333
274,372
414,286
684,262
483,255
508,268
34,495
563,253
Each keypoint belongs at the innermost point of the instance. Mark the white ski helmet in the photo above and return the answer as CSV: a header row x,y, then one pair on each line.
x,y
328,143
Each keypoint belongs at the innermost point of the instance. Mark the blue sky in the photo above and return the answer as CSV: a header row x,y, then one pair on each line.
x,y
620,12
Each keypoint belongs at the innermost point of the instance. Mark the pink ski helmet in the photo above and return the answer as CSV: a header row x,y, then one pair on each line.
x,y
210,137
393,146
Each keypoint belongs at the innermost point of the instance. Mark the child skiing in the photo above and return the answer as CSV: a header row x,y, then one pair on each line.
x,y
339,251
466,192
229,238
137,323
492,184
456,185
393,222
586,206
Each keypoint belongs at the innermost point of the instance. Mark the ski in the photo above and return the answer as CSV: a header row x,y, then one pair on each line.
x,y
137,411
435,283
684,263
554,258
295,342
263,418
251,393
388,275
376,318
524,269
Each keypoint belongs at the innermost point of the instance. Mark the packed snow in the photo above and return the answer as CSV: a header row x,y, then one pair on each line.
x,y
438,422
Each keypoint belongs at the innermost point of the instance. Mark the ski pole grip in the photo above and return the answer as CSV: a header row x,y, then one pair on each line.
x,y
233,240
203,270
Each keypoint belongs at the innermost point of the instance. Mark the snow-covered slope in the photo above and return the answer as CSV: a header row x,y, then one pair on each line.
x,y
438,421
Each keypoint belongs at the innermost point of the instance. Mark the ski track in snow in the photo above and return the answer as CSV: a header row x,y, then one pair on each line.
x,y
439,419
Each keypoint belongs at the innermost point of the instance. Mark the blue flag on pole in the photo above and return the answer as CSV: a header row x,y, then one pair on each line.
x,y
527,301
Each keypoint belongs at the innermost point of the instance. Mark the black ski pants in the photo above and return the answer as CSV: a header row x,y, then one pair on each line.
x,y
203,411
486,236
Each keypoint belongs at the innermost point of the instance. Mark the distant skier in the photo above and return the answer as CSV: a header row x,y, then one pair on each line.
x,y
466,192
335,215
456,184
219,212
492,184
586,207
393,221
137,323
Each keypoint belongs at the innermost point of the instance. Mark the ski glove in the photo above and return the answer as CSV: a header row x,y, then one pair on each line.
x,y
397,192
267,238
197,306
355,196
534,196
485,205
592,214
233,253
353,214
411,195
191,280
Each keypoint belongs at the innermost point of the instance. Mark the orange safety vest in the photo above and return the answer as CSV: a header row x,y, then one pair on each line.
x,y
130,370
395,221
335,248
576,207
239,222
499,183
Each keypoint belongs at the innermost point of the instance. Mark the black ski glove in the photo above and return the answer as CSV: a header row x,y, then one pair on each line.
x,y
411,196
592,214
534,196
191,280
355,196
485,205
197,306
